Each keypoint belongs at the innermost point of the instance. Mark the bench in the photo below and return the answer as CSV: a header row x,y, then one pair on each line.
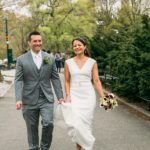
x,y
106,78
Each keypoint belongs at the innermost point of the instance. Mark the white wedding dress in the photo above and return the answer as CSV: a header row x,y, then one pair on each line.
x,y
78,114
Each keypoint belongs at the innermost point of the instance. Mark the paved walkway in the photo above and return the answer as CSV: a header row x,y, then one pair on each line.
x,y
8,81
120,129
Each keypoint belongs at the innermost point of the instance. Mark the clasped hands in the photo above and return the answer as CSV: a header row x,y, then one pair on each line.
x,y
66,100
61,100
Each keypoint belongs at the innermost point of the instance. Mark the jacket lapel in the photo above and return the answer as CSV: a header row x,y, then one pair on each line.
x,y
42,65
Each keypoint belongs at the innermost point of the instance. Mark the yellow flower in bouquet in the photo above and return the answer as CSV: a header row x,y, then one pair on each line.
x,y
108,102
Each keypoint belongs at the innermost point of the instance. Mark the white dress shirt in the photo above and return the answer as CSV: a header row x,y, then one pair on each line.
x,y
37,58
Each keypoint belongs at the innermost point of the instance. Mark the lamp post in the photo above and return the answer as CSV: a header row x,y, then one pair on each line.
x,y
7,39
9,51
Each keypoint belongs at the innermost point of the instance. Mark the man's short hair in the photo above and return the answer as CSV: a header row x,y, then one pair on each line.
x,y
33,33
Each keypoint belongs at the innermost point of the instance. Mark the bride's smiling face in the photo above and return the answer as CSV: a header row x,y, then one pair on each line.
x,y
78,47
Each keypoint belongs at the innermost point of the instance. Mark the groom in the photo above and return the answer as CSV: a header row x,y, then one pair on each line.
x,y
35,71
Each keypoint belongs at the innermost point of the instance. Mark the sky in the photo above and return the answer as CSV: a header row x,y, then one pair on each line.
x,y
13,5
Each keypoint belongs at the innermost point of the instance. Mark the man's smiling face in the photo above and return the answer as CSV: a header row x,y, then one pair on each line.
x,y
35,43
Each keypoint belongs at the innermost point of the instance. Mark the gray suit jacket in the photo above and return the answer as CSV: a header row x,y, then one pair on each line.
x,y
29,79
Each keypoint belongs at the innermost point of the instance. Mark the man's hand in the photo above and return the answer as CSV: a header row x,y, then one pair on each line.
x,y
18,105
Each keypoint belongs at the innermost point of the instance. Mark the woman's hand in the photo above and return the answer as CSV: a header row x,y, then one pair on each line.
x,y
68,99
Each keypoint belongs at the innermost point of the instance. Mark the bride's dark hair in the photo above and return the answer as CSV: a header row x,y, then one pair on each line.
x,y
86,52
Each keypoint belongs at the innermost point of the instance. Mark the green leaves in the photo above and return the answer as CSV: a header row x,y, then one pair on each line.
x,y
60,21
124,54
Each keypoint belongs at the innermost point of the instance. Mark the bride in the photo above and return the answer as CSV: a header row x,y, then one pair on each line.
x,y
81,72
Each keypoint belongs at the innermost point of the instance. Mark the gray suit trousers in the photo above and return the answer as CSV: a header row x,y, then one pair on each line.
x,y
31,116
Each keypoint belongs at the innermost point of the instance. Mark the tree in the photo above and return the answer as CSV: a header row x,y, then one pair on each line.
x,y
121,45
105,33
61,20
142,41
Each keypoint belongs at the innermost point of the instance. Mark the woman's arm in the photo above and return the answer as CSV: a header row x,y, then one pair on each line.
x,y
67,82
96,80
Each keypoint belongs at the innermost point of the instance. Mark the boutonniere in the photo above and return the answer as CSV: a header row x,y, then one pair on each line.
x,y
45,60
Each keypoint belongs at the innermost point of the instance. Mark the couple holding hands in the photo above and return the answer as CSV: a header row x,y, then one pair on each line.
x,y
36,72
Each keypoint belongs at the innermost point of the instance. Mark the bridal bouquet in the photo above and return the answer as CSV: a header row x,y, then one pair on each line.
x,y
108,102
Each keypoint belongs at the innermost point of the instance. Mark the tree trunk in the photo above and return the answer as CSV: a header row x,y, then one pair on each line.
x,y
1,77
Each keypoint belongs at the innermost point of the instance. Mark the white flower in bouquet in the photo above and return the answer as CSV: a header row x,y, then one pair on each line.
x,y
103,102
